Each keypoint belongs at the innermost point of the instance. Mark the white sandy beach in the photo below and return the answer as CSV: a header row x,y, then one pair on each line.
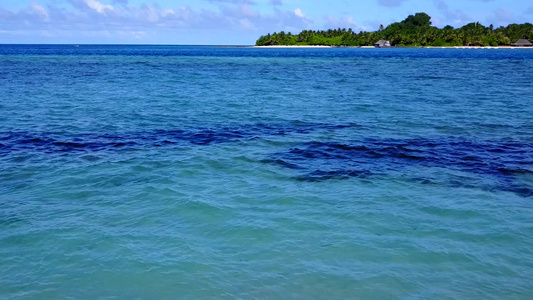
x,y
293,46
372,47
478,47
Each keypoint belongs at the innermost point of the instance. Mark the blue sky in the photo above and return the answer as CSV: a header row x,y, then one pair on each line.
x,y
228,22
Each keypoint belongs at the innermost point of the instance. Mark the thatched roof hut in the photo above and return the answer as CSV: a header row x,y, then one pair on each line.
x,y
522,43
382,44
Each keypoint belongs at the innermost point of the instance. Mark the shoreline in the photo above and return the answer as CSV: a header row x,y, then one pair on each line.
x,y
471,47
372,47
296,46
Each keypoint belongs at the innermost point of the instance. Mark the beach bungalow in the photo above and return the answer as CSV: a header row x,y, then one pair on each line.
x,y
382,44
522,43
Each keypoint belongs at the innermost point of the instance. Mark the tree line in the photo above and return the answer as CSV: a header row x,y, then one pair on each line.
x,y
415,30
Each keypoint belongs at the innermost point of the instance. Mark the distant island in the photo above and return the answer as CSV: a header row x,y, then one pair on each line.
x,y
414,31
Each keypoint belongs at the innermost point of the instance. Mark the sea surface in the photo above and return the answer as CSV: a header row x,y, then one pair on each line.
x,y
188,172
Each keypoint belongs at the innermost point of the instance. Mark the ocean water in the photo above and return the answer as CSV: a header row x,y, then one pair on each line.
x,y
173,172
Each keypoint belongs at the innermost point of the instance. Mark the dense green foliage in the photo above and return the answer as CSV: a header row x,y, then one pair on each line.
x,y
415,30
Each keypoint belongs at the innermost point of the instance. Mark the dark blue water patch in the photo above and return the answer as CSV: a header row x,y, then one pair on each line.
x,y
90,142
500,160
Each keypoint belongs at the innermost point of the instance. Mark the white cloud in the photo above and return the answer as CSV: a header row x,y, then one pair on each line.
x,y
501,16
391,3
456,17
97,20
246,24
99,7
344,22
46,33
167,12
151,14
38,9
299,13
248,11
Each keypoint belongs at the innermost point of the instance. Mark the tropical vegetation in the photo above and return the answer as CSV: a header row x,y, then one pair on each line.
x,y
415,30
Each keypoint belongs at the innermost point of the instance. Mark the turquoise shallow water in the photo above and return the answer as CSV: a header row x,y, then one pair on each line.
x,y
158,172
